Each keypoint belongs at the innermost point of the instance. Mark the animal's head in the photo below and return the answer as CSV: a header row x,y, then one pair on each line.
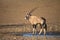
x,y
27,16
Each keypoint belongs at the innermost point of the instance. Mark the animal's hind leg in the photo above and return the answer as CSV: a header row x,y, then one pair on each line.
x,y
34,29
40,31
44,31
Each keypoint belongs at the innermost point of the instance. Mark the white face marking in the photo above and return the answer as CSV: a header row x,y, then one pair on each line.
x,y
26,17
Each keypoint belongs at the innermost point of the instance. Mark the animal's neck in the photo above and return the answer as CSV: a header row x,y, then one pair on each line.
x,y
29,17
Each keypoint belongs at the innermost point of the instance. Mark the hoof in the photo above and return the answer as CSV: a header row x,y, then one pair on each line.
x,y
44,34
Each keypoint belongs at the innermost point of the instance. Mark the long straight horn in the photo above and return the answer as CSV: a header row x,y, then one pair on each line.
x,y
32,10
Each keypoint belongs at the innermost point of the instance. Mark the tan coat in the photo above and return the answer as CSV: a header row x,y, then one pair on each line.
x,y
35,20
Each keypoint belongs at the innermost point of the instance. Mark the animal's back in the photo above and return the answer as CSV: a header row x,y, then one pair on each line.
x,y
35,20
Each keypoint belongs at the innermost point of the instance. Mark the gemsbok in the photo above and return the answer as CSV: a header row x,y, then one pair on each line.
x,y
34,20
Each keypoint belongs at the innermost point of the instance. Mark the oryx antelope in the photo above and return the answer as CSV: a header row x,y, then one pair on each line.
x,y
34,20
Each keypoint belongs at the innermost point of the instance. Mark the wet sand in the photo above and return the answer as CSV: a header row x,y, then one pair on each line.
x,y
20,32
14,37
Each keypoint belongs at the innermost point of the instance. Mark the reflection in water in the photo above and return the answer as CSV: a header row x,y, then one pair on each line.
x,y
44,38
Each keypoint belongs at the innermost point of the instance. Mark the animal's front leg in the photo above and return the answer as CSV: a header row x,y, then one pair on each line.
x,y
34,29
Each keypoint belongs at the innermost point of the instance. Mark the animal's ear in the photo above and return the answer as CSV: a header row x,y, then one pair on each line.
x,y
29,14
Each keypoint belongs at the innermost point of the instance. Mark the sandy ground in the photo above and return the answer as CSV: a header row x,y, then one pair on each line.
x,y
14,11
14,37
13,33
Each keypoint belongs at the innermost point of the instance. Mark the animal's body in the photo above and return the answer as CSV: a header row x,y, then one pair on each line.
x,y
34,20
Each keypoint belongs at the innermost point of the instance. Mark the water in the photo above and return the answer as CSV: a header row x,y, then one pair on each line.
x,y
48,34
